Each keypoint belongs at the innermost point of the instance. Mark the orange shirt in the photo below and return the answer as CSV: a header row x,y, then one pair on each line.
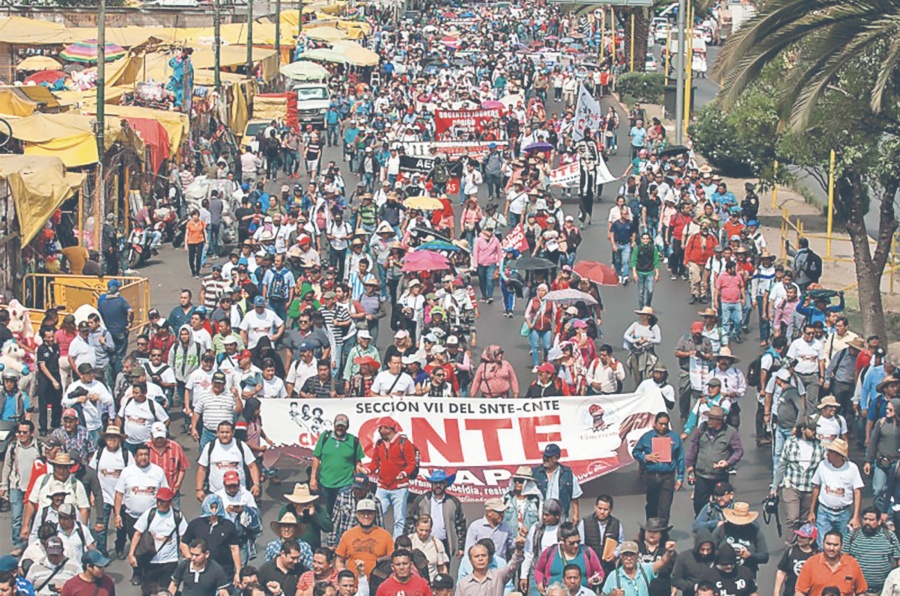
x,y
195,231
356,544
817,575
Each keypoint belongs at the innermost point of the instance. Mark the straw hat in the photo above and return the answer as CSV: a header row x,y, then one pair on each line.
x,y
523,472
725,352
708,312
888,379
288,519
839,446
647,310
857,343
740,514
113,431
62,459
301,495
828,400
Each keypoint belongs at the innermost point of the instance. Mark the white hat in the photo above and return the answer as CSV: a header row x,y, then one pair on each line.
x,y
364,333
414,283
229,340
158,430
160,322
365,505
438,349
452,340
783,374
401,334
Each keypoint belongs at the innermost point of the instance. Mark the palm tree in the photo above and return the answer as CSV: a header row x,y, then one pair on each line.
x,y
829,33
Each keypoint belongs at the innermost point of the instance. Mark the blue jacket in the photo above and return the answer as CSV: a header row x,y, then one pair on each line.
x,y
870,382
644,447
566,485
813,314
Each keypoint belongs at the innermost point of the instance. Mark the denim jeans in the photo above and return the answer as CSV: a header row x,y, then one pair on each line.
x,y
493,185
206,436
622,259
102,545
731,318
763,323
509,297
827,520
538,340
332,135
781,437
879,482
16,507
397,500
645,289
486,280
214,230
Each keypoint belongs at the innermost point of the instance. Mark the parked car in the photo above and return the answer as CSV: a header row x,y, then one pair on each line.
x,y
650,65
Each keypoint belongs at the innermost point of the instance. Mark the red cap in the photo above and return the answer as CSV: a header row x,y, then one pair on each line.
x,y
231,477
546,367
696,327
70,413
244,354
165,494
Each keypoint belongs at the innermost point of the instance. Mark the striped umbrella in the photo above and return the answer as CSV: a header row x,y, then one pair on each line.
x,y
86,52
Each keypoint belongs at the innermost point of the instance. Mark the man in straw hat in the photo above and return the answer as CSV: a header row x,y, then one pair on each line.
x,y
286,527
61,478
734,385
713,449
108,462
837,491
829,424
450,526
741,531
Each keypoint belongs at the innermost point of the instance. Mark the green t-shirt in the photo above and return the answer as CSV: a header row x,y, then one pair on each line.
x,y
337,459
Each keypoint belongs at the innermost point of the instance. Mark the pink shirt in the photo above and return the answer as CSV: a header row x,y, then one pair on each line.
x,y
486,252
729,287
64,339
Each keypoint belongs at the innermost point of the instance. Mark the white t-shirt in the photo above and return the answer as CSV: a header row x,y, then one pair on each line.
x,y
199,384
109,469
81,351
202,337
274,387
139,486
837,484
829,429
93,410
300,372
258,326
167,376
73,545
807,354
137,418
243,498
387,384
163,526
220,458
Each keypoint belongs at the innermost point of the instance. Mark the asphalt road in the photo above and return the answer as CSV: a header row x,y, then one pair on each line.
x,y
169,272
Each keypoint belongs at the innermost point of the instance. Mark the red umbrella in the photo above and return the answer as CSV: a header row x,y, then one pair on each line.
x,y
46,76
424,260
600,273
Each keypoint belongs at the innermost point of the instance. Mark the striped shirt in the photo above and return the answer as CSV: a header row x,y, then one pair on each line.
x,y
332,317
212,291
319,389
876,554
215,409
763,280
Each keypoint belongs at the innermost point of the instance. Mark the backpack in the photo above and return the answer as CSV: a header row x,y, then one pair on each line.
x,y
278,289
754,369
126,455
415,471
812,268
152,407
240,445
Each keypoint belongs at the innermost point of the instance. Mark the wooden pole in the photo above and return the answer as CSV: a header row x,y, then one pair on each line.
x,y
602,35
631,59
775,186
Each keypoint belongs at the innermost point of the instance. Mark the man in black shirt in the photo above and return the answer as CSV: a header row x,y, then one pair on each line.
x,y
729,578
219,534
49,383
280,576
199,576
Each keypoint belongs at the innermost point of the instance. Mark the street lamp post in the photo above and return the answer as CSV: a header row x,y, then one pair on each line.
x,y
278,30
101,121
217,39
249,38
679,68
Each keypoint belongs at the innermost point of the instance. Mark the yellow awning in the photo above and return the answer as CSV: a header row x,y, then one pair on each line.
x,y
39,186
355,54
326,34
14,102
177,125
23,31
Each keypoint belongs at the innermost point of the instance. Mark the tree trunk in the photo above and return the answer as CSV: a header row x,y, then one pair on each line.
x,y
869,267
641,38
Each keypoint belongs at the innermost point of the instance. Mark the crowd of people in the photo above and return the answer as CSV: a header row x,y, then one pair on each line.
x,y
324,297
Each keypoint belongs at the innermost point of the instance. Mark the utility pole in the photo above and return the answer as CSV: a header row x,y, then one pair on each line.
x,y
679,68
249,38
278,30
217,35
101,122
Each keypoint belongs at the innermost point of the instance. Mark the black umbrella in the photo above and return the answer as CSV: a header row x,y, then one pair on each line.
x,y
674,150
530,263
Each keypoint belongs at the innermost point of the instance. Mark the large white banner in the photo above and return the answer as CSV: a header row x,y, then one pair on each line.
x,y
568,175
588,113
482,440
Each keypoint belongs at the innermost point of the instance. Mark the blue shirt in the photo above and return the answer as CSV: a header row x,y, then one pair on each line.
x,y
114,310
622,231
332,116
870,381
637,136
9,408
639,586
644,447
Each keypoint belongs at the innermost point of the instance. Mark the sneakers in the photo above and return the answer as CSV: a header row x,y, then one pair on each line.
x,y
490,300
693,300
534,370
673,277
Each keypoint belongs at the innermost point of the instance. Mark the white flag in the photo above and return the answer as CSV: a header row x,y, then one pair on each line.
x,y
587,113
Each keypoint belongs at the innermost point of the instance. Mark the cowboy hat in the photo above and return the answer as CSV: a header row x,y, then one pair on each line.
x,y
287,519
523,472
708,312
301,495
839,446
655,524
725,352
888,379
647,310
828,400
62,459
361,360
113,430
765,254
704,169
857,343
441,476
740,514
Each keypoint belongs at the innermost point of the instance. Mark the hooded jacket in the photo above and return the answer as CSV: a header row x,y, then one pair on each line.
x,y
690,565
184,359
532,513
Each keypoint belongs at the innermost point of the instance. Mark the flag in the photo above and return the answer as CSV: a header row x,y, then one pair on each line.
x,y
588,113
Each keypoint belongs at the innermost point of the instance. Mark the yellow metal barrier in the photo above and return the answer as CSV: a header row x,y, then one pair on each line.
x,y
41,291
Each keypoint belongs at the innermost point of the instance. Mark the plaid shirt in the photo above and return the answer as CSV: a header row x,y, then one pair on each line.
x,y
319,389
343,516
172,460
80,442
273,549
792,472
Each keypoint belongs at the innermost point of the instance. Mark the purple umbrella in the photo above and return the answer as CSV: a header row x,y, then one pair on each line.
x,y
539,147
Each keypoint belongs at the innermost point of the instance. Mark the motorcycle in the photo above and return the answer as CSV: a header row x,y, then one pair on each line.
x,y
165,218
137,248
180,229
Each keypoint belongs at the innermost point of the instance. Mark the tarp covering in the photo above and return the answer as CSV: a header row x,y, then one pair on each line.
x,y
22,31
177,124
67,137
355,54
154,135
15,103
39,186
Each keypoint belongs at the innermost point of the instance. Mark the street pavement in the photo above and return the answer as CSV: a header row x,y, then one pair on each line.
x,y
169,272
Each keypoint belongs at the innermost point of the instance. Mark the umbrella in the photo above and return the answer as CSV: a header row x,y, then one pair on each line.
x,y
450,42
530,263
424,203
576,35
326,34
323,55
570,296
438,245
566,40
467,15
355,54
86,52
551,38
48,77
304,71
424,260
39,63
674,150
539,147
491,104
599,273
576,46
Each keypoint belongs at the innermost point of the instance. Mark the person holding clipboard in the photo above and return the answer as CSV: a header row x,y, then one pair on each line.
x,y
661,456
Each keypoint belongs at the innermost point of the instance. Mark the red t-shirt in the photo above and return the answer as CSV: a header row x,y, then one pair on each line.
x,y
414,586
79,587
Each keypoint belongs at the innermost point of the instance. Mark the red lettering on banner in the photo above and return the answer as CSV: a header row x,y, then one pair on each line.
x,y
424,436
489,435
531,439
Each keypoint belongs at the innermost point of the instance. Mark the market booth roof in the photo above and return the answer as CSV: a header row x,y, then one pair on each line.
x,y
22,31
39,185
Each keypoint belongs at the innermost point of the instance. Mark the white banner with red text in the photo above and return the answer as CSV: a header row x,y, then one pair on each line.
x,y
483,441
569,176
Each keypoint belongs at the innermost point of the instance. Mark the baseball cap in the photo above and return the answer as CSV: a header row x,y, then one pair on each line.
x,y
158,429
442,581
54,546
360,481
259,301
70,413
342,420
365,505
629,546
552,450
783,374
722,489
697,327
8,563
714,382
495,505
218,377
807,531
231,477
67,509
167,494
94,557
